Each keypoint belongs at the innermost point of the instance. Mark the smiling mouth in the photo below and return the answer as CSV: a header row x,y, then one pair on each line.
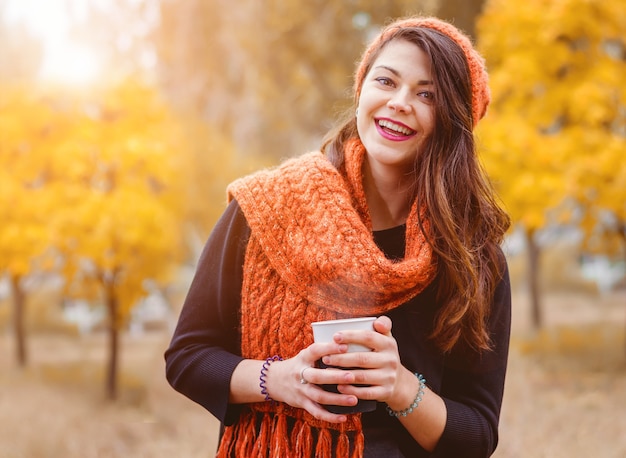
x,y
394,129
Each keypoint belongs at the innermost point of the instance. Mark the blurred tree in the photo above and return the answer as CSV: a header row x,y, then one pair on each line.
x,y
556,133
269,78
209,163
529,177
96,184
270,75
120,221
123,32
266,78
462,13
28,126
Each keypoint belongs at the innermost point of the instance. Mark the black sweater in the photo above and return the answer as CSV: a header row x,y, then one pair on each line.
x,y
205,349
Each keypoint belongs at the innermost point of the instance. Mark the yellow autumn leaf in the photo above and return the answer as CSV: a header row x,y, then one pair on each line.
x,y
559,107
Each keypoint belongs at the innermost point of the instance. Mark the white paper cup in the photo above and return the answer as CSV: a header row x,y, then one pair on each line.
x,y
323,331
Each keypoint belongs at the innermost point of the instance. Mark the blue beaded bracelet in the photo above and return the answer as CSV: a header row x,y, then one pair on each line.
x,y
414,404
266,366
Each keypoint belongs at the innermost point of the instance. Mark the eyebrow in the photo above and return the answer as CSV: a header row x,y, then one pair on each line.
x,y
397,73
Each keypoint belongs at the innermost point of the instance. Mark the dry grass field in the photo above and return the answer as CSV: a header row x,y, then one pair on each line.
x,y
566,386
56,407
565,397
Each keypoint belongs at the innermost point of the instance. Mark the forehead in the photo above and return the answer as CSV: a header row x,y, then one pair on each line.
x,y
405,57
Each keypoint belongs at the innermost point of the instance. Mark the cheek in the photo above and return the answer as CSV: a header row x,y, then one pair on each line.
x,y
361,116
364,113
428,119
360,123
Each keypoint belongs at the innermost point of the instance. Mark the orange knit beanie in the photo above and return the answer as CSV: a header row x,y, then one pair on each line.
x,y
481,95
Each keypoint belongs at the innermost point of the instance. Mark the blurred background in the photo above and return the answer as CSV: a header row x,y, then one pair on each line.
x,y
122,121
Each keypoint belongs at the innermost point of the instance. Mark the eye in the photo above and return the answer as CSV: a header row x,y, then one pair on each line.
x,y
428,95
384,81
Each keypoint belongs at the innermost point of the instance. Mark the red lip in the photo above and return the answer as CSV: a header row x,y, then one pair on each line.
x,y
388,135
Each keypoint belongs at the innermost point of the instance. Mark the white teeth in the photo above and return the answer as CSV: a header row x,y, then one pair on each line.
x,y
390,125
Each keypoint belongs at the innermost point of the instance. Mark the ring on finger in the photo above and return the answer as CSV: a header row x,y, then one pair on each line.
x,y
302,379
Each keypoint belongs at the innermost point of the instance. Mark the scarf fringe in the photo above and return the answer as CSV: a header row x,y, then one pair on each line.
x,y
280,446
274,440
343,445
241,439
359,445
262,444
301,438
324,447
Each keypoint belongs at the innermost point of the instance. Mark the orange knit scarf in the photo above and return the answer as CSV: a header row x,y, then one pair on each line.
x,y
311,256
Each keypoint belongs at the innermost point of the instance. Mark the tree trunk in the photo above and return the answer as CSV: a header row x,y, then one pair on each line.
x,y
622,233
533,279
19,303
462,13
113,329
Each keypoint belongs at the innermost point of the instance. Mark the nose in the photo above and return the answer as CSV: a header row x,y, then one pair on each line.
x,y
400,101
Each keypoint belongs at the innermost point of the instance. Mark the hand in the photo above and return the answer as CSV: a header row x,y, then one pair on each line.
x,y
283,382
380,370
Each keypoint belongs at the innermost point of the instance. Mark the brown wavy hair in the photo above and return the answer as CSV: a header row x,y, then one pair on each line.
x,y
467,222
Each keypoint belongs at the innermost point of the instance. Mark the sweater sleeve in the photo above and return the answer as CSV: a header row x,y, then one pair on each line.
x,y
473,387
205,347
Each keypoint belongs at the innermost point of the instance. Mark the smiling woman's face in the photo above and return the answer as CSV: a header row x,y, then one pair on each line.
x,y
396,107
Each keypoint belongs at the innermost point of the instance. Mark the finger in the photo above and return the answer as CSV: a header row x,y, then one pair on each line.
x,y
325,398
366,339
319,412
315,351
372,377
369,392
374,340
361,360
383,325
329,376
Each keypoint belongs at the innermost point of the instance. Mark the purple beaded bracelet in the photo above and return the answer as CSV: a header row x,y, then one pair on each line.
x,y
266,366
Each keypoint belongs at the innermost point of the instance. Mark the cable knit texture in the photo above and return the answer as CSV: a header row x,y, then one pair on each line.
x,y
311,256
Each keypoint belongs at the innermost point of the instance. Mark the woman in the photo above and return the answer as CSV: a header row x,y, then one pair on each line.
x,y
395,219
